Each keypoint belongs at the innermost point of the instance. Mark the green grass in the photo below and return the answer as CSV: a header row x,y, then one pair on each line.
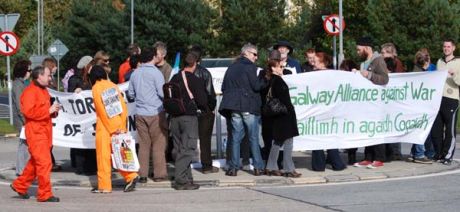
x,y
6,128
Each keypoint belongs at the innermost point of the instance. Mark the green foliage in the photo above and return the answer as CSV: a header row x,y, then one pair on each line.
x,y
260,22
223,26
414,24
178,23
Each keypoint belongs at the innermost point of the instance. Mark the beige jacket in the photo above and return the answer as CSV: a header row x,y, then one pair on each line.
x,y
453,81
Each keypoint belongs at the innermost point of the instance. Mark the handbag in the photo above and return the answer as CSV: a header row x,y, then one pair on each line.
x,y
273,106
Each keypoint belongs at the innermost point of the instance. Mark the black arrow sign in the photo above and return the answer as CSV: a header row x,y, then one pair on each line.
x,y
333,24
7,44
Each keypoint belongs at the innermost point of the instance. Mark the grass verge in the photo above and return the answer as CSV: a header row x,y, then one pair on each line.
x,y
6,128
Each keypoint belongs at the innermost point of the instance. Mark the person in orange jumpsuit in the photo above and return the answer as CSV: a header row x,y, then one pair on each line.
x,y
38,111
105,128
125,67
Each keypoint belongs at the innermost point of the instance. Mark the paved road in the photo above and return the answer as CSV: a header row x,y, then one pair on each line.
x,y
436,192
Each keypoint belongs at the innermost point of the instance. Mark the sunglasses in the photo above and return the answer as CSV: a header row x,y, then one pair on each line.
x,y
255,54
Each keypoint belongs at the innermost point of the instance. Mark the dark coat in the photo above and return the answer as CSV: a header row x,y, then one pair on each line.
x,y
284,126
241,88
203,73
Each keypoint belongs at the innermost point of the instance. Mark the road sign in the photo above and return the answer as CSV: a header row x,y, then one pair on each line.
x,y
37,60
57,49
9,43
331,24
10,20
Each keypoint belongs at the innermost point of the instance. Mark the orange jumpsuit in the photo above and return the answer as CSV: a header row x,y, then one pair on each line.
x,y
105,127
35,105
124,68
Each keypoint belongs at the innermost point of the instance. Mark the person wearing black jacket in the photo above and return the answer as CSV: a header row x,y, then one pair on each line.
x,y
184,128
83,160
206,119
241,103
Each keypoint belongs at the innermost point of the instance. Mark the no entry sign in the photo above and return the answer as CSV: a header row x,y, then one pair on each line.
x,y
9,43
331,24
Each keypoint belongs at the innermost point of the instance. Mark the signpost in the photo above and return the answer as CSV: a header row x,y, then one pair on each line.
x,y
9,45
333,26
58,50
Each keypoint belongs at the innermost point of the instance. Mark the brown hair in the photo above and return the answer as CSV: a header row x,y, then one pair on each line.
x,y
86,70
101,57
49,63
421,57
309,51
271,63
324,58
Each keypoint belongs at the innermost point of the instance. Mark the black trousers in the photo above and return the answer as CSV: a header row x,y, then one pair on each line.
x,y
184,131
375,152
205,126
444,129
319,160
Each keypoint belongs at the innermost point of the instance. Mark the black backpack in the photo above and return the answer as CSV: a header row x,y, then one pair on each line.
x,y
173,100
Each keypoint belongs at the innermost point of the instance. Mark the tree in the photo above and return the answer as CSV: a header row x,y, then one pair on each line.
x,y
257,21
178,23
414,24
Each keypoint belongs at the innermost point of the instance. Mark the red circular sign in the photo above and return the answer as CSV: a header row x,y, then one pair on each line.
x,y
9,43
331,24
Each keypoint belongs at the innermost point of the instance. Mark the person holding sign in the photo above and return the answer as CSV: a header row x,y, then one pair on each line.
x,y
111,113
374,69
38,111
444,127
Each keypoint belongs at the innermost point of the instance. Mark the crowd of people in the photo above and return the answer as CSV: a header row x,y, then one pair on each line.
x,y
247,104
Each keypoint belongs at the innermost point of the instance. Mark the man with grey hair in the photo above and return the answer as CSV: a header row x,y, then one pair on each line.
x,y
164,66
241,103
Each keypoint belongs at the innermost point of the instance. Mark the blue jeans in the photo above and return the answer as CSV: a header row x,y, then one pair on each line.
x,y
422,150
240,121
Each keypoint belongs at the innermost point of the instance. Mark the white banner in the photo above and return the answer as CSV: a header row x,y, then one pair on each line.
x,y
76,123
335,109
338,109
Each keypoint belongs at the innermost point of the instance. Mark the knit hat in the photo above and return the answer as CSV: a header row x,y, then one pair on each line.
x,y
365,41
84,61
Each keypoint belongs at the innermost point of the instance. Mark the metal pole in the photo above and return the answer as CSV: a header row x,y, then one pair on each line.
x,y
42,33
10,98
334,44
132,21
341,55
57,89
218,129
38,27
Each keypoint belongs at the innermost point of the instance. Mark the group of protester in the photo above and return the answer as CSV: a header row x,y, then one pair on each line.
x,y
245,93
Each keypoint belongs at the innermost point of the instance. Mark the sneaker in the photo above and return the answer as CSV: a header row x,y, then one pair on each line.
x,y
410,159
51,199
143,180
247,167
187,186
447,162
423,160
375,164
131,185
209,170
97,191
362,163
22,196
